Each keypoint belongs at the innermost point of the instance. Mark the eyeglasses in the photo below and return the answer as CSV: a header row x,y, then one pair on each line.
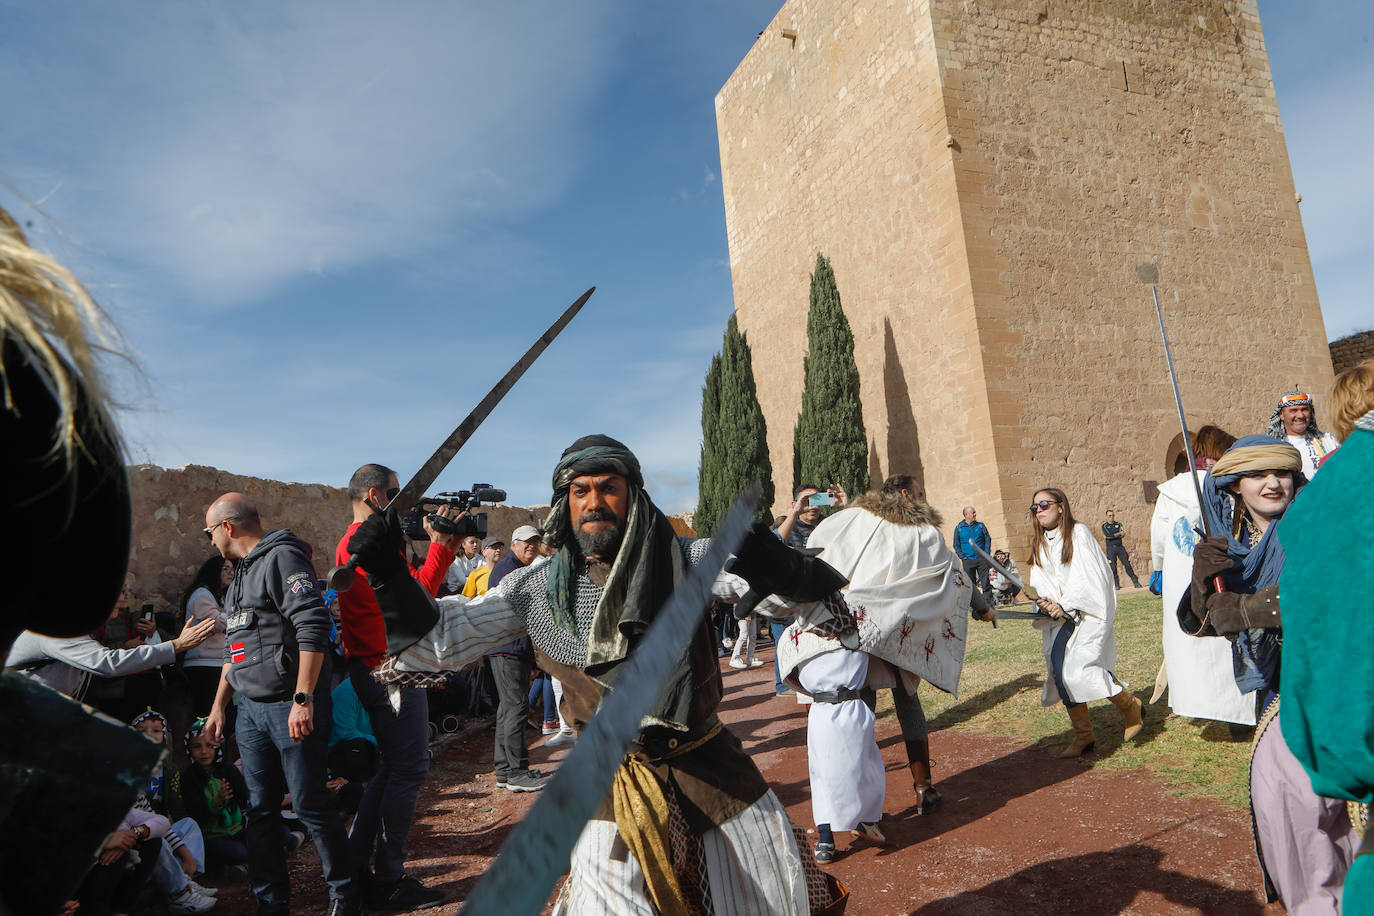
x,y
210,532
1043,505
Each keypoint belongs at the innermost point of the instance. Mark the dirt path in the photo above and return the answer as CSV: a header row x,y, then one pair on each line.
x,y
1020,832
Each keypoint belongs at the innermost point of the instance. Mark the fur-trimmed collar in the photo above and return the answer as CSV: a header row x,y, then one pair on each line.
x,y
897,509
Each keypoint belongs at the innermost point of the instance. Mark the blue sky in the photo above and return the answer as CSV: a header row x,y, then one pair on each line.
x,y
326,229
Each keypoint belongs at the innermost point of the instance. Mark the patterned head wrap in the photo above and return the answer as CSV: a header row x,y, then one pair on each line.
x,y
197,730
647,566
1275,428
147,714
1255,652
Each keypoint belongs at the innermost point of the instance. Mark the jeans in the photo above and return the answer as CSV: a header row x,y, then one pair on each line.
x,y
511,673
223,851
167,873
776,627
272,765
543,688
388,803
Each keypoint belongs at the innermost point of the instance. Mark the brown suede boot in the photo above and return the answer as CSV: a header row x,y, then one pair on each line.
x,y
1132,710
1082,732
918,758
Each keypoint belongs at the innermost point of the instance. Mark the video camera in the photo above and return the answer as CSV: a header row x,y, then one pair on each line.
x,y
475,524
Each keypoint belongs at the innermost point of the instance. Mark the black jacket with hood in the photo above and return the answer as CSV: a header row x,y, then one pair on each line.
x,y
273,611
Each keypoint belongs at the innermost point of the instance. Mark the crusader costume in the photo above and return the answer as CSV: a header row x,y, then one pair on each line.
x,y
910,603
689,826
1305,843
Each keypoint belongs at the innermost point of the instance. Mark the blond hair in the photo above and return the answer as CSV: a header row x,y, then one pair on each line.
x,y
56,324
1352,396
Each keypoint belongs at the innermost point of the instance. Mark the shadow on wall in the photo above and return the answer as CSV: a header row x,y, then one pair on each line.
x,y
903,439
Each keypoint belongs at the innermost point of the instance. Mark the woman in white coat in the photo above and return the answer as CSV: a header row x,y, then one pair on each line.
x,y
1069,570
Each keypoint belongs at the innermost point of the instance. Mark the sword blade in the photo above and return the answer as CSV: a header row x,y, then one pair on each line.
x,y
430,470
1026,590
539,847
1021,615
340,578
1178,401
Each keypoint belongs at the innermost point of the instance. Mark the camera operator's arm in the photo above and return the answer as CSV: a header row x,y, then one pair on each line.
x,y
443,546
407,609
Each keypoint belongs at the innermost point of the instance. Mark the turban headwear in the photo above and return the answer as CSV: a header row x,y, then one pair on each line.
x,y
1255,652
1275,428
648,564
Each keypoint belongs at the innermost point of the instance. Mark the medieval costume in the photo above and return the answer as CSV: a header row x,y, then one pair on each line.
x,y
1328,690
689,825
1200,682
1080,647
1313,445
1304,842
910,602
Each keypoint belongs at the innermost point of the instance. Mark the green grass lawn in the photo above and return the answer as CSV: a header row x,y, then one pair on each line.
x,y
999,693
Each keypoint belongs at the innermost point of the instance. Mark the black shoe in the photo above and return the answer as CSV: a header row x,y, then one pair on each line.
x,y
406,894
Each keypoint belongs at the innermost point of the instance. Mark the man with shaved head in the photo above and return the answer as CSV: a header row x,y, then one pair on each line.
x,y
276,658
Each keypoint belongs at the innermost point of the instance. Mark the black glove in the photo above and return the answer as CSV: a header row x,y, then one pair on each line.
x,y
377,544
772,568
408,612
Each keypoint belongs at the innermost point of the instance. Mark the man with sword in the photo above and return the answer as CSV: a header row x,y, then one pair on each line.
x,y
689,825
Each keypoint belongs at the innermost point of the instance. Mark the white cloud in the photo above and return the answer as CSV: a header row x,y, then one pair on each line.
x,y
233,149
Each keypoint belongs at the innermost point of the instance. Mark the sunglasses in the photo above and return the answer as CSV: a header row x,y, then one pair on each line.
x,y
210,532
1042,505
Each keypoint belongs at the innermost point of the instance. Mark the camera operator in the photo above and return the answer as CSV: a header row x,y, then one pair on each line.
x,y
388,804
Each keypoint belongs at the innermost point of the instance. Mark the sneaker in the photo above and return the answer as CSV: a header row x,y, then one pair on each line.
x,y
188,901
870,831
203,890
406,894
756,664
825,853
737,663
524,782
564,736
551,728
500,781
295,841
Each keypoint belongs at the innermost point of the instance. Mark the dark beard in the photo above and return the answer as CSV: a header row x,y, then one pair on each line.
x,y
605,543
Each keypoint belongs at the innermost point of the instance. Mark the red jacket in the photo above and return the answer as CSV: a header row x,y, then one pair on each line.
x,y
362,629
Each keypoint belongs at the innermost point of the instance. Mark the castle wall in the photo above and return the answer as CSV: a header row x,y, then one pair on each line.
x,y
985,179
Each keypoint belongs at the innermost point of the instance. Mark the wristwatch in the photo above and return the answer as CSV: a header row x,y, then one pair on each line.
x,y
302,698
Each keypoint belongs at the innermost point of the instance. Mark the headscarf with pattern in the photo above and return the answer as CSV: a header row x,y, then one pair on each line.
x,y
197,730
1275,428
648,564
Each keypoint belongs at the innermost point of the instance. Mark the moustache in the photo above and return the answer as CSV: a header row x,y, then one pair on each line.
x,y
598,515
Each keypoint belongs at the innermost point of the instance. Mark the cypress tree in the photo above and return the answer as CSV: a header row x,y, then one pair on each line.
x,y
829,442
707,468
738,452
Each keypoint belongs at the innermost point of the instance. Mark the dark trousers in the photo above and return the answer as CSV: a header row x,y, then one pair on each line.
x,y
977,569
204,682
512,676
1057,650
388,803
910,716
272,765
223,851
1114,550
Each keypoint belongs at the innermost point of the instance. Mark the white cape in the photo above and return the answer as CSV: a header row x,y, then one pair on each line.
x,y
1202,684
909,597
1085,584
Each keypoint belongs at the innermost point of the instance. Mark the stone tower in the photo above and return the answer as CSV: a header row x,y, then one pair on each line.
x,y
985,179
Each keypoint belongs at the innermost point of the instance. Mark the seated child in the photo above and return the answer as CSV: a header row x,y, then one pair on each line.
x,y
214,794
181,855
